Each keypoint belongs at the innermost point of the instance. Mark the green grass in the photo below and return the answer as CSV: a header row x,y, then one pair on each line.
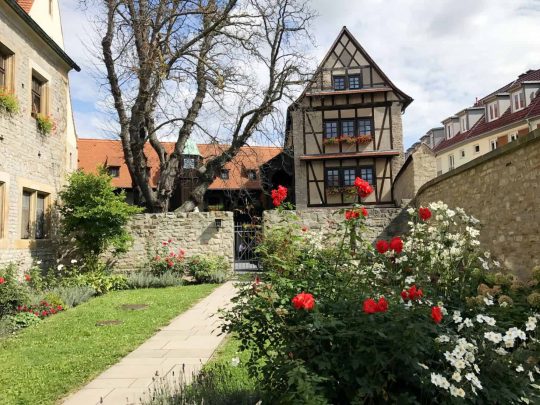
x,y
43,363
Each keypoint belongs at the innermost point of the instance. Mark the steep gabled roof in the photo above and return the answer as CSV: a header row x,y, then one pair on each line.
x,y
22,8
344,31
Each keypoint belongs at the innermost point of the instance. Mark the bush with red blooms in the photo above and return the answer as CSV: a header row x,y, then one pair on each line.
x,y
424,213
412,294
367,333
167,258
363,188
395,245
42,310
356,213
279,195
12,291
304,301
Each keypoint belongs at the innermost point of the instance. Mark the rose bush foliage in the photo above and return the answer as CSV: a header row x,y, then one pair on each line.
x,y
404,323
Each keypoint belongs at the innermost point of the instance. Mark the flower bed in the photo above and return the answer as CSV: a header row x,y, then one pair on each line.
x,y
421,318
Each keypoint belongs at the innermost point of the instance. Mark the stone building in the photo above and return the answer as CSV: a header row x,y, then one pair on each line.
x,y
493,121
346,124
33,166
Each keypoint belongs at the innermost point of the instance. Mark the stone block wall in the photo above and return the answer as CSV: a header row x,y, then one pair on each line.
x,y
195,232
419,168
502,190
382,222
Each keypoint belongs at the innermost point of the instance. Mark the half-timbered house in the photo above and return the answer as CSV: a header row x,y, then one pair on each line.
x,y
346,124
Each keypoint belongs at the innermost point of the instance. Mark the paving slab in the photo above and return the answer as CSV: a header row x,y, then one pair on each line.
x,y
178,350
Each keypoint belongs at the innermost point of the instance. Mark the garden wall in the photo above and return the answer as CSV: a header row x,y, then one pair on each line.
x,y
381,222
195,232
502,190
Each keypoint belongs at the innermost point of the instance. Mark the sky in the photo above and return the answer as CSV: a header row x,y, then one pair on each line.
x,y
442,53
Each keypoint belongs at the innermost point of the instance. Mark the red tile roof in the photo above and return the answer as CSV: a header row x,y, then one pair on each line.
x,y
97,152
482,126
26,4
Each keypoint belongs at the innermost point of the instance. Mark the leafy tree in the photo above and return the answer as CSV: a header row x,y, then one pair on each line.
x,y
177,69
95,214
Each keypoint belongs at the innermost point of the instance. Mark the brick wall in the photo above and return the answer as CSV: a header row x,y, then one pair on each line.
x,y
381,222
195,232
502,190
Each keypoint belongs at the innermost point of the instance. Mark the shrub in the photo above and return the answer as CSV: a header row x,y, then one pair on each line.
x,y
95,214
43,309
347,323
22,320
100,282
144,279
12,293
208,269
167,259
74,295
8,102
45,124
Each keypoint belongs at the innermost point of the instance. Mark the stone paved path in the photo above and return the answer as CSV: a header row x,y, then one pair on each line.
x,y
189,340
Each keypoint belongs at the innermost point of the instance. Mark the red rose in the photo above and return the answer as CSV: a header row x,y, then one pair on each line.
x,y
351,214
436,314
404,295
2,280
370,306
396,244
412,294
59,307
44,313
424,213
27,277
304,301
382,246
279,195
363,187
364,212
382,305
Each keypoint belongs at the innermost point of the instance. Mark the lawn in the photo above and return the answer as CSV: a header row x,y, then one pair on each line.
x,y
43,363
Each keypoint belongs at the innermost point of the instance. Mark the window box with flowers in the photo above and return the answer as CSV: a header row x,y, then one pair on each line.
x,y
8,102
364,139
348,190
347,139
330,141
45,124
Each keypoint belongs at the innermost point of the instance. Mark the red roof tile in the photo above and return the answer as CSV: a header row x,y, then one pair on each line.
x,y
97,152
26,5
528,76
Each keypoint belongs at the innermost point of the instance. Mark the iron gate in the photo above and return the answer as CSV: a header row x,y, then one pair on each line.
x,y
246,238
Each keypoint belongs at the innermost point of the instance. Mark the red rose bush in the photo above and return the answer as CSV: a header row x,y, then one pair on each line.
x,y
421,318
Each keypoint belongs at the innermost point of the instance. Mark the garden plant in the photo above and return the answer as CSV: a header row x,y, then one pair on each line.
x,y
422,318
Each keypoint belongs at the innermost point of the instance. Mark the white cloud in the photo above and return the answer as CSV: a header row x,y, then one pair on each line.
x,y
442,53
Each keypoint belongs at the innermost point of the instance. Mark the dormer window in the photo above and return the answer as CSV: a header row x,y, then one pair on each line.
x,y
188,162
224,174
464,124
113,171
252,175
518,101
355,82
339,82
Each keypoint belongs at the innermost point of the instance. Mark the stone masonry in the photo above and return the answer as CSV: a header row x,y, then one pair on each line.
x,y
31,160
195,232
502,190
381,222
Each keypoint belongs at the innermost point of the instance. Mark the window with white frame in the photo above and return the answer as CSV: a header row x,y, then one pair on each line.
x,y
493,144
512,137
34,221
451,162
462,153
476,148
